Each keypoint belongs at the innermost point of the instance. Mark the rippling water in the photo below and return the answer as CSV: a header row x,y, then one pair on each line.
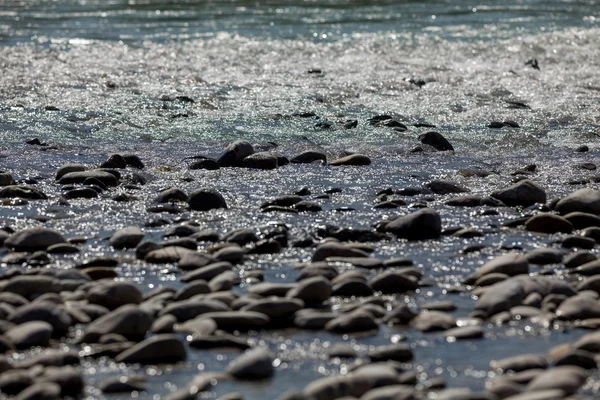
x,y
96,77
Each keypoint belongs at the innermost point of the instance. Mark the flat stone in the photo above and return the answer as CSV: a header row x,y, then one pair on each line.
x,y
158,349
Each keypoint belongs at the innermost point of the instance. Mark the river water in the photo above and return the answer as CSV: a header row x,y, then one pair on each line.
x,y
94,77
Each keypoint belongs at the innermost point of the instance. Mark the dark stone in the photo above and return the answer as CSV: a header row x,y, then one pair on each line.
x,y
435,140
206,199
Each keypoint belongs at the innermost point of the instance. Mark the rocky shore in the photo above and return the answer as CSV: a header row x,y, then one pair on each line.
x,y
192,283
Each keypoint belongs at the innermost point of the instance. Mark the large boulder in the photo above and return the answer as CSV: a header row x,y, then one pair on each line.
x,y
420,225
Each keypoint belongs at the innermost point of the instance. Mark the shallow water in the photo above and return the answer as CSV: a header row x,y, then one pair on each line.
x,y
113,70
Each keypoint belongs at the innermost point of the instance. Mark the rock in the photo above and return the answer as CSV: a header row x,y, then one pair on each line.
x,y
40,391
391,282
189,309
67,377
233,254
219,341
335,249
21,192
238,320
15,381
583,200
591,283
423,224
353,159
67,168
192,289
205,273
206,163
578,258
566,378
396,352
30,334
523,193
544,256
352,287
28,285
312,290
463,333
235,153
45,311
510,264
266,289
552,394
159,349
581,220
578,358
445,187
275,307
171,195
133,161
198,327
578,242
356,321
308,157
114,294
164,324
435,140
392,392
81,193
129,321
431,321
126,238
578,308
548,223
342,350
501,296
260,161
166,255
122,384
519,363
206,199
6,179
107,178
254,365
33,239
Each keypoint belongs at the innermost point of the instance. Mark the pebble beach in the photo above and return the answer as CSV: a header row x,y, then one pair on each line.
x,y
319,201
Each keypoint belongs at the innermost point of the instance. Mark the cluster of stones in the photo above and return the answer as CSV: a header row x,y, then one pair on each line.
x,y
40,307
